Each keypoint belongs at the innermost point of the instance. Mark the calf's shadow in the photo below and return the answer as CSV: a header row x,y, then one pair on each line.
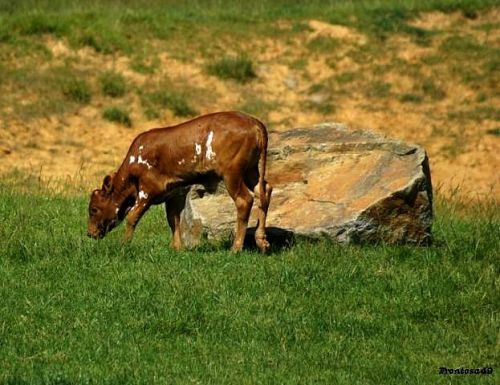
x,y
278,238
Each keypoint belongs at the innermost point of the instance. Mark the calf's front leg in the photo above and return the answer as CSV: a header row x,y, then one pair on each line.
x,y
174,207
141,205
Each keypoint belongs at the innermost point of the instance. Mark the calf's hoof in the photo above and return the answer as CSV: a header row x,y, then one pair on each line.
x,y
263,245
237,247
176,246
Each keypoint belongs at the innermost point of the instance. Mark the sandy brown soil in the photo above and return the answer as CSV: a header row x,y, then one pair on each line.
x,y
81,145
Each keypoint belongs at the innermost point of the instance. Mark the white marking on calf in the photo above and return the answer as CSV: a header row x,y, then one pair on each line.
x,y
210,154
143,161
143,195
197,148
141,147
132,159
182,161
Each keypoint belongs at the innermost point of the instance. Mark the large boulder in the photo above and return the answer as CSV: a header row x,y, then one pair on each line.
x,y
330,182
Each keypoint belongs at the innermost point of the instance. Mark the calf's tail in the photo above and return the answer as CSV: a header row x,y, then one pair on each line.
x,y
262,164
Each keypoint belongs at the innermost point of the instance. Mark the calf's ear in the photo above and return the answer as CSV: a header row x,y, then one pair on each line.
x,y
106,184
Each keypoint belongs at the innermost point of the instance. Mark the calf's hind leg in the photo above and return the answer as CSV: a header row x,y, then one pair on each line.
x,y
243,200
260,231
252,181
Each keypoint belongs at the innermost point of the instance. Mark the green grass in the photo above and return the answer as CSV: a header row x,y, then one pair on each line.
x,y
324,44
139,65
239,69
257,107
111,27
40,23
323,107
432,90
432,59
134,11
478,114
117,115
473,63
76,90
105,42
79,311
410,98
347,77
173,100
494,131
113,84
318,88
320,98
378,89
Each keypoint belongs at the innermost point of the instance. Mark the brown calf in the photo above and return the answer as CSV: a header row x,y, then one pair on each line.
x,y
228,146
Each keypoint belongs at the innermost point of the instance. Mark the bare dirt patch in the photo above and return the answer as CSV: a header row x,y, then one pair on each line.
x,y
438,20
341,32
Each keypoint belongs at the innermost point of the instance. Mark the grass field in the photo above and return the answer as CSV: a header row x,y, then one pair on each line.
x,y
79,311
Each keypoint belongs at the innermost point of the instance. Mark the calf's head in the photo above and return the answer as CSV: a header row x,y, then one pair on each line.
x,y
103,211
